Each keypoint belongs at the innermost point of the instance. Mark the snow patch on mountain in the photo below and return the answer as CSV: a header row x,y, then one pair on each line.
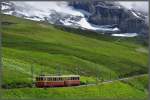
x,y
135,14
60,6
5,7
59,13
125,35
55,13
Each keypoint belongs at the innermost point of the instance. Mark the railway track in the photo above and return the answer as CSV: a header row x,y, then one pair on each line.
x,y
110,81
104,82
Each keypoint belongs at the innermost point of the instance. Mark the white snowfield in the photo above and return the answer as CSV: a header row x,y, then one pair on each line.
x,y
38,11
125,35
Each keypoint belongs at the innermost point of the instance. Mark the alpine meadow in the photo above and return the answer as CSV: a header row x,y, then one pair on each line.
x,y
109,66
46,48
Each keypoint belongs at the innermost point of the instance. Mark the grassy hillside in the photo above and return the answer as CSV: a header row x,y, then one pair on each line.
x,y
140,82
113,90
49,50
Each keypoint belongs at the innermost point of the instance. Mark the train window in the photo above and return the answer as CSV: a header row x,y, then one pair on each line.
x,y
68,78
65,78
54,79
75,78
49,79
44,78
60,79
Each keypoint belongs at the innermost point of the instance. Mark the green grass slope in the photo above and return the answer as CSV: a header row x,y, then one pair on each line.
x,y
115,90
47,48
140,82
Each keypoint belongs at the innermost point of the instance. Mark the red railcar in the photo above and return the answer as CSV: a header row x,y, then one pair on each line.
x,y
57,81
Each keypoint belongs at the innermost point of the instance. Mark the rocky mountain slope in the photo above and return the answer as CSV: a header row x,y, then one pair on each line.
x,y
101,16
114,14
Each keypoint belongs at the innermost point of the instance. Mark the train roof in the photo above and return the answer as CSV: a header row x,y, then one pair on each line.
x,y
59,76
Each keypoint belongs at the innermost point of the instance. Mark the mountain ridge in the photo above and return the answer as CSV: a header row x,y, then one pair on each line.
x,y
83,18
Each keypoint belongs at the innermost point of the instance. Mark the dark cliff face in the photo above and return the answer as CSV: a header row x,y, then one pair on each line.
x,y
112,13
